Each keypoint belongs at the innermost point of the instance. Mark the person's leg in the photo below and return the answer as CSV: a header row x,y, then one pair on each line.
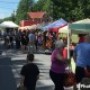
x,y
58,80
80,74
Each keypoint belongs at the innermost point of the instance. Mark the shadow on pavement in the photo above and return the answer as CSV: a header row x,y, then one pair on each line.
x,y
22,62
46,88
7,80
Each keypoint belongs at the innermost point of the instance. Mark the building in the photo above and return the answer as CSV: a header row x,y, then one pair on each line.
x,y
39,17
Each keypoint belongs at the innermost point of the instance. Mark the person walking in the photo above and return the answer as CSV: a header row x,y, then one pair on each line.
x,y
58,65
82,58
31,44
29,73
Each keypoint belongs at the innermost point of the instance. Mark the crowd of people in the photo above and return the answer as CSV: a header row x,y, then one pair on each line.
x,y
29,38
32,41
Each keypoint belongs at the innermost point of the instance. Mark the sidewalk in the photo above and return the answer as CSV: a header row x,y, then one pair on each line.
x,y
7,81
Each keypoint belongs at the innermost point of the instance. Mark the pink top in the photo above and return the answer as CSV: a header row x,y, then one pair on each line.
x,y
57,66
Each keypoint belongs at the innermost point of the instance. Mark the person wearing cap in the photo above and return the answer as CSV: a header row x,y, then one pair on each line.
x,y
82,58
58,65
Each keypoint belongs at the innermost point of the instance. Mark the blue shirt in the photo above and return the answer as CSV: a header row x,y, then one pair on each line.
x,y
82,51
32,37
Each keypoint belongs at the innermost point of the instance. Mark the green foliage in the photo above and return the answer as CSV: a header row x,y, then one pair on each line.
x,y
67,9
44,5
23,8
70,10
39,5
1,20
48,7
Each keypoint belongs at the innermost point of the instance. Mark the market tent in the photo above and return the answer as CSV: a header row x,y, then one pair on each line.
x,y
56,25
81,27
64,30
8,24
40,26
28,27
47,27
59,23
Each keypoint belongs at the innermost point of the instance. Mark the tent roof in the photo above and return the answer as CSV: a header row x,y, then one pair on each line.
x,y
8,24
28,27
82,26
56,24
84,21
64,30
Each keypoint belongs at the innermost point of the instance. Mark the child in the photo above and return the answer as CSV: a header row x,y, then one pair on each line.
x,y
30,73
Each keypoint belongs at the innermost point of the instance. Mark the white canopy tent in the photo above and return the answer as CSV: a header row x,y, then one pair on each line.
x,y
64,30
28,27
81,26
8,24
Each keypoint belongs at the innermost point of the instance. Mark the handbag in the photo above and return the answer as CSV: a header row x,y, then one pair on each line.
x,y
70,79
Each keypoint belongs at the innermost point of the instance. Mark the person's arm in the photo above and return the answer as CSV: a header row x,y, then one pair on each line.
x,y
59,57
22,80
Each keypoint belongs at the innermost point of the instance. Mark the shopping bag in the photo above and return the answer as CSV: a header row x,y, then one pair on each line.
x,y
69,79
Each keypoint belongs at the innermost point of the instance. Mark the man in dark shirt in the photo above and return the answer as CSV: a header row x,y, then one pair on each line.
x,y
30,73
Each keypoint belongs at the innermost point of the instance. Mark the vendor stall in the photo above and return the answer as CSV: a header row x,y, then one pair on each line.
x,y
8,24
55,25
9,27
34,27
80,27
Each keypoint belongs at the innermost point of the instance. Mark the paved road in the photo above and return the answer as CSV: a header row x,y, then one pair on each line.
x,y
17,60
11,62
7,80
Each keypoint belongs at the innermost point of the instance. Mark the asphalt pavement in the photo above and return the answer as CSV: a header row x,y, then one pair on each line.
x,y
7,80
11,62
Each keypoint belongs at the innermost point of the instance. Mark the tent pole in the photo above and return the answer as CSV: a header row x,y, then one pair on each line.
x,y
68,44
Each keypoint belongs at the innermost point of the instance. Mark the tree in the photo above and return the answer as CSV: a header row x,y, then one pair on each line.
x,y
44,5
67,9
71,9
61,9
48,7
39,5
23,8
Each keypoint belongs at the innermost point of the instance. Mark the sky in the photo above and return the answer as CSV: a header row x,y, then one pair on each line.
x,y
7,7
